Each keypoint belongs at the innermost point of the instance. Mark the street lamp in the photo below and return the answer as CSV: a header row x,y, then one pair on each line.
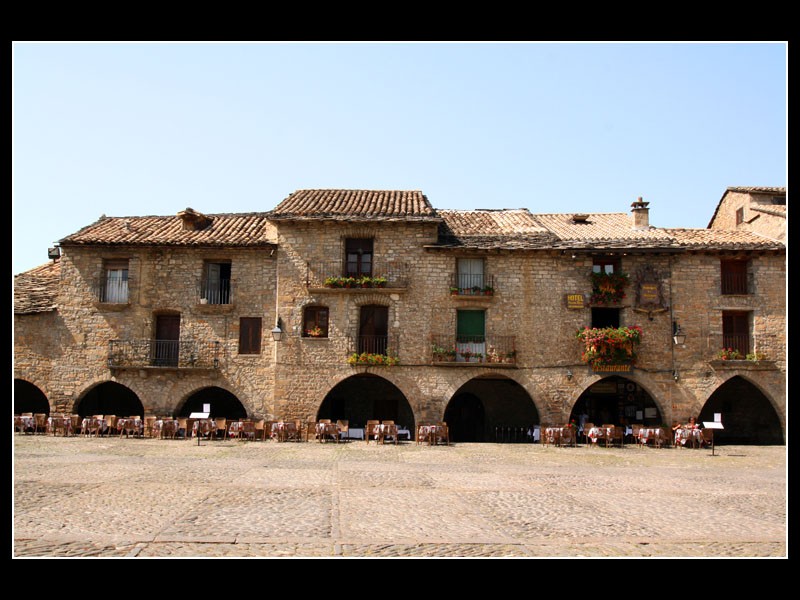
x,y
277,332
678,336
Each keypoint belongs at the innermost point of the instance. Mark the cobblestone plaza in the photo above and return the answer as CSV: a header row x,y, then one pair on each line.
x,y
118,497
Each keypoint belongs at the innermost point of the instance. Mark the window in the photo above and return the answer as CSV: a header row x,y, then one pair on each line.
x,y
250,335
779,200
605,317
470,334
470,273
736,331
216,286
739,216
373,329
114,288
605,265
734,276
358,257
315,321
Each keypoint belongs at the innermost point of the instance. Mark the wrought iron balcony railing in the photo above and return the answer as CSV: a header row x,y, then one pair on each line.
x,y
387,345
740,342
340,274
472,284
186,354
215,292
491,349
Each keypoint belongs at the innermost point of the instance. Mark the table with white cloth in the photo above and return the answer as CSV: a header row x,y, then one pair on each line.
x,y
599,433
284,430
91,424
651,434
165,428
24,423
62,423
384,430
432,434
355,433
203,427
129,426
688,435
325,430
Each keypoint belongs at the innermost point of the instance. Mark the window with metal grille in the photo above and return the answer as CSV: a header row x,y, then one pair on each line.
x,y
734,276
736,331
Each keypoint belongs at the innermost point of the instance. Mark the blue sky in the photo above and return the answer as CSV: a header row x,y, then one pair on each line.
x,y
148,129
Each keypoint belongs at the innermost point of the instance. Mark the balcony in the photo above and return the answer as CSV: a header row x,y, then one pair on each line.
x,y
472,285
373,349
164,354
739,342
491,350
341,276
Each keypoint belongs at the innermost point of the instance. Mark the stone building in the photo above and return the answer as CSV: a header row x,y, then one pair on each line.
x,y
361,304
761,210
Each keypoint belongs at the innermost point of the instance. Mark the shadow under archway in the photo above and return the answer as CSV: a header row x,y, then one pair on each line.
x,y
29,398
616,400
109,398
491,409
222,403
365,396
747,415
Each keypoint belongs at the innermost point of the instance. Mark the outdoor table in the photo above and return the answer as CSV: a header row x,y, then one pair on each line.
x,y
128,426
64,422
327,429
165,427
203,427
596,433
648,434
692,435
25,423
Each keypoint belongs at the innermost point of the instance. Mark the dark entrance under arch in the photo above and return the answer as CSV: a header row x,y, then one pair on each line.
x,y
362,397
491,409
746,413
29,398
618,401
110,398
223,404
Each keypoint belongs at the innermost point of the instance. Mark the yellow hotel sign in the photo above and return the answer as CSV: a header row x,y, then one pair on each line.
x,y
574,300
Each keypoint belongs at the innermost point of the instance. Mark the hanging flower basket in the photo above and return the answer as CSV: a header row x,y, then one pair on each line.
x,y
609,345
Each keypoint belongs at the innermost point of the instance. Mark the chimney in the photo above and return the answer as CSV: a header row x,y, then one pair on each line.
x,y
641,214
193,220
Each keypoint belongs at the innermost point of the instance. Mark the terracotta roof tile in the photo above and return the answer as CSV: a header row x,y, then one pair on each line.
x,y
723,239
35,290
758,190
355,205
506,229
242,229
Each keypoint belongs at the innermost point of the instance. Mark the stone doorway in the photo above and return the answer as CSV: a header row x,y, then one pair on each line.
x,y
110,398
619,401
222,403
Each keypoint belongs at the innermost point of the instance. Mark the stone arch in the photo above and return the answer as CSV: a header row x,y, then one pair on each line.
x,y
363,396
29,398
490,407
620,400
747,413
223,403
109,397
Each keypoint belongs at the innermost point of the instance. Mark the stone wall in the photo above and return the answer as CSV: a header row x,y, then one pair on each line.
x,y
65,352
757,221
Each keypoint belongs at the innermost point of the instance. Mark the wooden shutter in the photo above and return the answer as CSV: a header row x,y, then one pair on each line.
x,y
250,335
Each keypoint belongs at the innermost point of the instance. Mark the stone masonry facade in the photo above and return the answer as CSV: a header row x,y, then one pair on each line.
x,y
276,274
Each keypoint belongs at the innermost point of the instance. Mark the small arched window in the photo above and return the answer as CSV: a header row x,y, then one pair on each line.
x,y
315,321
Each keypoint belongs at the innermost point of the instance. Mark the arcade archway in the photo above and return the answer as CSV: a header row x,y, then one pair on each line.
x,y
29,398
617,400
221,402
110,398
490,409
747,415
362,397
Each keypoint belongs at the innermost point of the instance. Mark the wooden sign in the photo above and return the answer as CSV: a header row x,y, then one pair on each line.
x,y
575,301
648,294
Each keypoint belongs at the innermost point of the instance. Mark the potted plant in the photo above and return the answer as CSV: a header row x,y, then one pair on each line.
x,y
510,357
729,354
379,282
466,355
609,345
478,356
608,288
476,290
756,356
450,353
314,332
454,291
488,290
438,353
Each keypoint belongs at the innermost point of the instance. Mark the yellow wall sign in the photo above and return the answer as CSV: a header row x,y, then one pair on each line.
x,y
574,300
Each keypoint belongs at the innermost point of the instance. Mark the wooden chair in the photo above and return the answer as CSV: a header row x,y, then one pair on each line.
x,y
442,434
30,414
60,423
222,425
344,428
260,430
248,431
183,424
148,427
75,422
708,436
617,436
39,423
567,436
311,430
369,430
389,430
423,434
90,426
544,438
